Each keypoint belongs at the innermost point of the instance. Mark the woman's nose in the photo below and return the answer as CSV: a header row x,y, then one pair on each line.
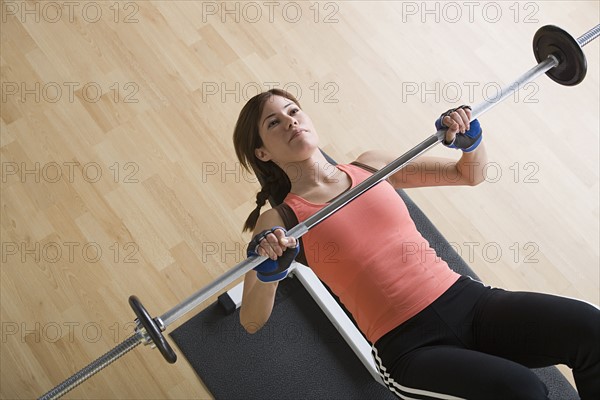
x,y
292,121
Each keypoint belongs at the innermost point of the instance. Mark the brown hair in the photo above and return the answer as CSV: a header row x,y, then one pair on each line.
x,y
275,184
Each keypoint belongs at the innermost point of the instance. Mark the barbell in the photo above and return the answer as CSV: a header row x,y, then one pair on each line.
x,y
559,56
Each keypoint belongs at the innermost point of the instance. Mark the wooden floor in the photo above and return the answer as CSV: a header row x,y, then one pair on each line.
x,y
119,175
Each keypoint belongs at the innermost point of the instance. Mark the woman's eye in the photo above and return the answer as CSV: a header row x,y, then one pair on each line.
x,y
272,123
295,110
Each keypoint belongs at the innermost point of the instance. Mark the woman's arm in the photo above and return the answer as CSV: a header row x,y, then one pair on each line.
x,y
258,297
437,171
432,171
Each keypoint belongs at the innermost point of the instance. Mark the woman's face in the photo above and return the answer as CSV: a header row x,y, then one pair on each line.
x,y
287,132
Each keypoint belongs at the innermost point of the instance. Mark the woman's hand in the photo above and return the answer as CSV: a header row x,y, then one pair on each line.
x,y
273,244
460,133
281,250
457,121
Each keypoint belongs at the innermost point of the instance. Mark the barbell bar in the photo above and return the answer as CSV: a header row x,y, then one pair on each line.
x,y
559,56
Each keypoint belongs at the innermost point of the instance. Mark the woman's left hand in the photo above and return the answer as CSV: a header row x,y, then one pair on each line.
x,y
457,121
461,133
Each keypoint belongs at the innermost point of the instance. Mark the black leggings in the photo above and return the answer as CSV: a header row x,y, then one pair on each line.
x,y
476,342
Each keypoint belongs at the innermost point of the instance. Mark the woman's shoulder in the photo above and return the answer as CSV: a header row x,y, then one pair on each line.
x,y
374,159
268,220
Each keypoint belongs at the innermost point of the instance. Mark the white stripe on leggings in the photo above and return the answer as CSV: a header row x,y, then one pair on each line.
x,y
395,387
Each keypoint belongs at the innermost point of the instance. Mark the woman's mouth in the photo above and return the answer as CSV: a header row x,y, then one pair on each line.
x,y
296,133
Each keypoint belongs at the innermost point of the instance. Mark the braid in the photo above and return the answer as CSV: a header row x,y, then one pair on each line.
x,y
275,187
261,199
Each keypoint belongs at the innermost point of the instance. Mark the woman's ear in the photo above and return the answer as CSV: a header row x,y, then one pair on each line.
x,y
262,154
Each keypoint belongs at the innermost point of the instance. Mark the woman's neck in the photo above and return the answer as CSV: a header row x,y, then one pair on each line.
x,y
316,179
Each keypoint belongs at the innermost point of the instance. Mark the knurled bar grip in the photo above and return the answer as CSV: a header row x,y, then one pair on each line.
x,y
589,36
94,367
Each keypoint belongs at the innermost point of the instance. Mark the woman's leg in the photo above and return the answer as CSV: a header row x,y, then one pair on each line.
x,y
538,330
445,372
461,343
428,356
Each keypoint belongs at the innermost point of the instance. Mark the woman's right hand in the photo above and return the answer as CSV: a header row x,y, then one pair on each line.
x,y
281,250
274,242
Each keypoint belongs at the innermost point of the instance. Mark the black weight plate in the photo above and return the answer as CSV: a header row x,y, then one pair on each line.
x,y
553,40
152,329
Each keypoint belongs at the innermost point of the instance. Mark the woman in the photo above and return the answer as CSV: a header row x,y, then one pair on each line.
x,y
435,334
